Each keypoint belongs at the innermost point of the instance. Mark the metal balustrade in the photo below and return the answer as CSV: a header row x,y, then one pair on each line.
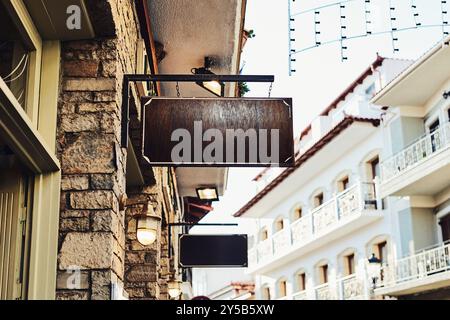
x,y
416,153
418,266
318,222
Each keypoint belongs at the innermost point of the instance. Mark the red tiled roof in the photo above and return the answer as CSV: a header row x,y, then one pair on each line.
x,y
369,71
345,123
261,174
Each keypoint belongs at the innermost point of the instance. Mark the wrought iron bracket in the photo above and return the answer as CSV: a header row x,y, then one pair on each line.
x,y
130,78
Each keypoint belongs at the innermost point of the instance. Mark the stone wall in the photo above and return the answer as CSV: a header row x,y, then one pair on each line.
x,y
92,226
147,268
97,236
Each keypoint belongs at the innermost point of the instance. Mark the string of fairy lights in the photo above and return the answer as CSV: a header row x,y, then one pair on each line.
x,y
394,28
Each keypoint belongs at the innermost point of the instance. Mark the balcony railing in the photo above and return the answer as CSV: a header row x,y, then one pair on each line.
x,y
318,222
352,288
281,240
418,266
301,295
416,153
264,250
324,292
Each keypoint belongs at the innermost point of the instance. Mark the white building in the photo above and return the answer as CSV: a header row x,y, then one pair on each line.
x,y
415,175
320,221
235,291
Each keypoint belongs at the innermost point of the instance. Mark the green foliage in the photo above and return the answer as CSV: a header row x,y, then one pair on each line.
x,y
243,88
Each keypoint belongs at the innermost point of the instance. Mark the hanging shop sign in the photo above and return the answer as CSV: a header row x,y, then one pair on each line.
x,y
213,251
232,132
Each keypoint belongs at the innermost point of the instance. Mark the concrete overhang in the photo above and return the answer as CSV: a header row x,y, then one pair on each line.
x,y
418,83
190,31
189,179
50,18
429,283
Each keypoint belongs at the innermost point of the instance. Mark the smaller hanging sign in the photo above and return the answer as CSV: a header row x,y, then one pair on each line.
x,y
213,251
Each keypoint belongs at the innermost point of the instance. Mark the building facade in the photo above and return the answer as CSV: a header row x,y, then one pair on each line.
x,y
320,221
415,173
71,193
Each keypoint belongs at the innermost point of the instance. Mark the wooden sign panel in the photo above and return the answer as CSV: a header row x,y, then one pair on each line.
x,y
232,132
213,251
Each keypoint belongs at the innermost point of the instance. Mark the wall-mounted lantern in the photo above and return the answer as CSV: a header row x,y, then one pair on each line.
x,y
174,288
147,226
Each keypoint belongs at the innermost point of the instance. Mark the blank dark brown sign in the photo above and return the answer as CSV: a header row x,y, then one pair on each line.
x,y
164,115
215,251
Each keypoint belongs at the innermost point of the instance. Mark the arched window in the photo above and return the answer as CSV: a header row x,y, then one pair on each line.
x,y
265,292
278,224
263,234
297,212
318,198
347,261
380,247
300,280
282,288
322,272
342,182
371,166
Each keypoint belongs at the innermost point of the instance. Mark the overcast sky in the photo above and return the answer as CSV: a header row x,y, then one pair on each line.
x,y
321,75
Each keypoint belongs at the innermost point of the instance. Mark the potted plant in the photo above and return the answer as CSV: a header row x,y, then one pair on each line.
x,y
247,34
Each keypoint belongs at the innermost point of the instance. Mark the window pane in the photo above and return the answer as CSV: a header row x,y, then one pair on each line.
x,y
14,58
375,164
350,264
301,282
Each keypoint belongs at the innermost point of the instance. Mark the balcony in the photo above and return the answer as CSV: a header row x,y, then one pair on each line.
x,y
301,295
352,288
343,214
423,271
324,292
347,288
411,171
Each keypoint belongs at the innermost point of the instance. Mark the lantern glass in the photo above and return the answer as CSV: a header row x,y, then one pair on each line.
x,y
208,193
147,227
215,87
174,289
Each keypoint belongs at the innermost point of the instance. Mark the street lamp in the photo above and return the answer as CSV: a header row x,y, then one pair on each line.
x,y
147,226
374,269
208,193
174,288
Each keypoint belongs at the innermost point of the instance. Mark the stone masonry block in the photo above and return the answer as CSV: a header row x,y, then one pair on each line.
x,y
86,250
